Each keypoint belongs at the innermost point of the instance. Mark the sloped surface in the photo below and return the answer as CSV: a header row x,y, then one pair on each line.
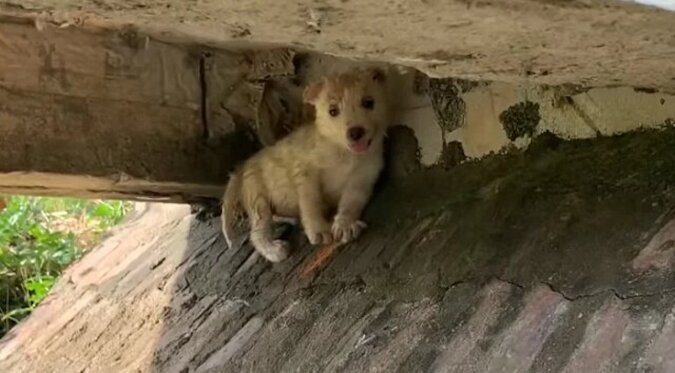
x,y
559,259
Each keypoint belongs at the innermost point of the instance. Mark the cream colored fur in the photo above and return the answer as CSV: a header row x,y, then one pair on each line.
x,y
318,171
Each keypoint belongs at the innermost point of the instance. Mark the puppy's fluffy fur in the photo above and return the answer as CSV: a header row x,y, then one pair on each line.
x,y
322,168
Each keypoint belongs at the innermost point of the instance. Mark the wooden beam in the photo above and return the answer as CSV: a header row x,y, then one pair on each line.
x,y
84,105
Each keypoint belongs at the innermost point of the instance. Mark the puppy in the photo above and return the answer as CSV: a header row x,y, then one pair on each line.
x,y
324,167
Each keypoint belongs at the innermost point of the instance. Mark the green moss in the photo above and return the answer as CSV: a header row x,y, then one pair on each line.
x,y
452,154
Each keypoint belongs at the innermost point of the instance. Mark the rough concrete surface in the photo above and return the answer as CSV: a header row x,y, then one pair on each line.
x,y
161,99
557,259
595,42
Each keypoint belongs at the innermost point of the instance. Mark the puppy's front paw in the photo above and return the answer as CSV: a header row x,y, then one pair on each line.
x,y
276,251
319,235
345,229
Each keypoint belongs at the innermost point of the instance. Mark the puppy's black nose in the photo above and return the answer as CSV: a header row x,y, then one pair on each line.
x,y
356,133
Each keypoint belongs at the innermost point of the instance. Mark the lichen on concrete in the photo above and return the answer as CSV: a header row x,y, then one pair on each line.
x,y
520,119
445,95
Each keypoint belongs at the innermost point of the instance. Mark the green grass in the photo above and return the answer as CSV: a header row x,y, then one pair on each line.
x,y
39,238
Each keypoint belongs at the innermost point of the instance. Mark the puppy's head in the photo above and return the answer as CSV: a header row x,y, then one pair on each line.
x,y
351,108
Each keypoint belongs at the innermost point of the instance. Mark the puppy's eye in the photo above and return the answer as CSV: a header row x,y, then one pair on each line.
x,y
368,103
334,111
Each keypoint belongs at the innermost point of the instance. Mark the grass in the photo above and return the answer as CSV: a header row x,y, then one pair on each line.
x,y
39,238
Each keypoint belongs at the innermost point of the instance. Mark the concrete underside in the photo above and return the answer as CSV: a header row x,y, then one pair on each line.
x,y
160,99
516,263
591,42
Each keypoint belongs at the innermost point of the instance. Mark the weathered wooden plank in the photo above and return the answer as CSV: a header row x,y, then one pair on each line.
x,y
91,103
119,65
98,138
117,186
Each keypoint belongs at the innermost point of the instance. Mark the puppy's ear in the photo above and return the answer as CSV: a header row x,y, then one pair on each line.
x,y
312,92
377,74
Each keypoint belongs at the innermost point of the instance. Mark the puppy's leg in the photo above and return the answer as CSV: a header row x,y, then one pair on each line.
x,y
346,224
259,212
285,219
312,211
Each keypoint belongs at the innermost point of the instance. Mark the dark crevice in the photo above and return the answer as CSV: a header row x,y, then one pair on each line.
x,y
203,90
572,298
585,117
201,318
614,292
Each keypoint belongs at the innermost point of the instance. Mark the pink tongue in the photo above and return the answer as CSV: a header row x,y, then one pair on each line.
x,y
360,146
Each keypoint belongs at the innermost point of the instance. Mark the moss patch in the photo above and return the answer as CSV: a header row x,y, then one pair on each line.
x,y
520,119
445,96
452,155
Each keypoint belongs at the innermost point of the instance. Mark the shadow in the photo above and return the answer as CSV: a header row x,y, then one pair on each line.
x,y
516,245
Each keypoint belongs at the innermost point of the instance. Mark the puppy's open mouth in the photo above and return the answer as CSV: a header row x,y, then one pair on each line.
x,y
361,145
